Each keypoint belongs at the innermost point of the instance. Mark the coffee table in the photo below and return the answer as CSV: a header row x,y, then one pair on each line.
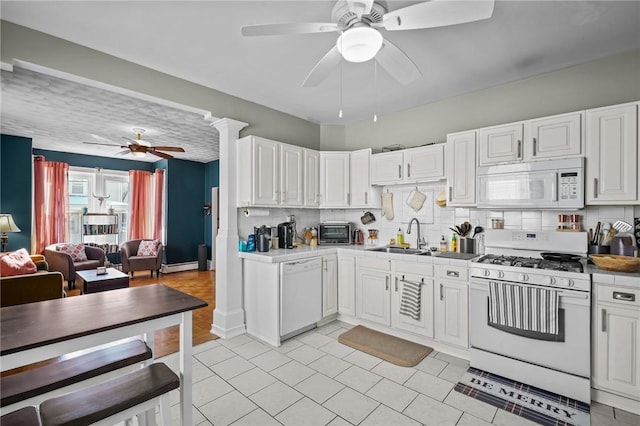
x,y
94,283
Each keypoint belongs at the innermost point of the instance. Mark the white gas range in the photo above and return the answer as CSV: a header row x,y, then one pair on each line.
x,y
529,317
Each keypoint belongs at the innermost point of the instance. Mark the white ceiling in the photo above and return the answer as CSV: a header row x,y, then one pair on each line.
x,y
200,41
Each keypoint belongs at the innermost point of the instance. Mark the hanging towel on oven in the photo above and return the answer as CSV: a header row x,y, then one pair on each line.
x,y
523,307
411,298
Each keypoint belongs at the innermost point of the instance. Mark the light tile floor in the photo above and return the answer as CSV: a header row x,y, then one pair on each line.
x,y
313,379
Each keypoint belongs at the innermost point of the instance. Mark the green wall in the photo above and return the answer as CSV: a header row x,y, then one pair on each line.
x,y
211,179
16,186
607,81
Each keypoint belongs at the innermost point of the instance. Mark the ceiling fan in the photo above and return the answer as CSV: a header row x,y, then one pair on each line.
x,y
139,148
359,22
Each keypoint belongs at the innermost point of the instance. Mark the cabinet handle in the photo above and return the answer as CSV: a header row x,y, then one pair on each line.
x,y
535,143
450,192
348,198
627,297
595,187
441,293
366,197
284,196
275,195
408,170
397,283
604,320
455,274
325,263
400,171
386,279
519,149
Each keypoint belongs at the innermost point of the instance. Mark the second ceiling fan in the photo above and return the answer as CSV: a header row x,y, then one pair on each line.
x,y
359,22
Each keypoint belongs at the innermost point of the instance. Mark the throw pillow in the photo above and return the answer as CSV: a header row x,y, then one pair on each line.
x,y
16,263
147,248
76,251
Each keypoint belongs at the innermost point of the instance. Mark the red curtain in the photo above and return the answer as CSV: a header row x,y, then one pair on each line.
x,y
140,216
50,200
158,203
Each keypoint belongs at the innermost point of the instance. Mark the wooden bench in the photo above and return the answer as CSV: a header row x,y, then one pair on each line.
x,y
29,387
26,416
115,400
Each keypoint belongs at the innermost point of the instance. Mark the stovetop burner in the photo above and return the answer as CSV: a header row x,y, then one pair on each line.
x,y
532,262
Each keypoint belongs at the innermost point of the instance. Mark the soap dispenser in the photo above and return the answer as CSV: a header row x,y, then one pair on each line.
x,y
443,245
400,237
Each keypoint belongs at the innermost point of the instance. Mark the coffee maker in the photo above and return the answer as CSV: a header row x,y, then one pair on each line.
x,y
285,235
263,237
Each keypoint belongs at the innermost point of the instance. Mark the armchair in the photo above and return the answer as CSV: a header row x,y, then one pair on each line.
x,y
63,263
132,262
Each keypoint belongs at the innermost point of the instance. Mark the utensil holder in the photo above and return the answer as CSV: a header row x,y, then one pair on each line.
x,y
467,245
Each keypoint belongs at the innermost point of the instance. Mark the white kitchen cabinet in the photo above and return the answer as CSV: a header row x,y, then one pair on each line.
x,y
347,285
291,176
362,193
553,137
616,340
421,164
334,179
461,169
500,144
373,290
452,305
311,178
612,155
417,273
329,285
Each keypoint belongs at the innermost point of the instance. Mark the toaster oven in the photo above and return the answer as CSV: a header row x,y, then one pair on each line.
x,y
334,233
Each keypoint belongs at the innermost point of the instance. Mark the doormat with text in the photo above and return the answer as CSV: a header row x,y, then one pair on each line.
x,y
537,405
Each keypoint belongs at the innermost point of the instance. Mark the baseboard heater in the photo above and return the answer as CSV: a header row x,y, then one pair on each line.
x,y
178,267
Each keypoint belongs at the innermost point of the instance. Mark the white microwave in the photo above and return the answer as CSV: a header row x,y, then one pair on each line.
x,y
550,184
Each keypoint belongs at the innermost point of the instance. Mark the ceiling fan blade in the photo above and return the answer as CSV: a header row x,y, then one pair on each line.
x,y
100,143
323,68
286,29
437,13
360,7
397,63
166,148
161,154
123,152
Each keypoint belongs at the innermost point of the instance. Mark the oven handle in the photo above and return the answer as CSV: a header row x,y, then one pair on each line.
x,y
578,295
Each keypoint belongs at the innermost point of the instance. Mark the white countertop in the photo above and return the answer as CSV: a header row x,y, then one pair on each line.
x,y
614,277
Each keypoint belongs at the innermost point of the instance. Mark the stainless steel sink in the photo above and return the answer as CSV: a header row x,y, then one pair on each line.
x,y
401,250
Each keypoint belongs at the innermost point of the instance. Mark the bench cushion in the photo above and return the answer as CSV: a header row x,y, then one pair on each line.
x,y
30,383
90,405
26,416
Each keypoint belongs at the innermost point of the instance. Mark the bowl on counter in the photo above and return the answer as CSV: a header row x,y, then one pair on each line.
x,y
611,262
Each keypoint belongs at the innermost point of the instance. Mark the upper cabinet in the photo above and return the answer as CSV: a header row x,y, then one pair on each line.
x,y
311,178
425,163
334,179
461,169
273,176
612,155
362,193
557,136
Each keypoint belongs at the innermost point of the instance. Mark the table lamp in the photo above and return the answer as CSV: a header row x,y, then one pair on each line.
x,y
6,225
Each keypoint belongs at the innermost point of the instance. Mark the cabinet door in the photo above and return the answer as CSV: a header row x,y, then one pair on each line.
x,y
291,180
424,324
334,179
452,318
311,178
329,285
554,137
612,155
500,144
347,285
386,168
374,303
617,352
461,169
424,163
266,183
362,193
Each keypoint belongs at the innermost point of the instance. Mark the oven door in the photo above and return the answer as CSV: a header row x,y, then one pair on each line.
x,y
571,355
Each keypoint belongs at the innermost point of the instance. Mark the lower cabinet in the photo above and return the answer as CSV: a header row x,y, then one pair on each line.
x,y
616,340
379,287
347,285
329,285
452,305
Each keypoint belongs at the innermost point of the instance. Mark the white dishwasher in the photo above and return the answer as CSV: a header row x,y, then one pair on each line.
x,y
300,296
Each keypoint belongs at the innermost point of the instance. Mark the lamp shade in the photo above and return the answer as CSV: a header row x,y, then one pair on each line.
x,y
359,44
7,224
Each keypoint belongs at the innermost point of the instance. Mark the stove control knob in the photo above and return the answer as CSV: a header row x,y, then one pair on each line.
x,y
550,280
570,283
523,277
487,273
500,274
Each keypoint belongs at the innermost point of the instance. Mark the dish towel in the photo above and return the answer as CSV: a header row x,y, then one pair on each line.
x,y
416,200
411,299
387,205
523,307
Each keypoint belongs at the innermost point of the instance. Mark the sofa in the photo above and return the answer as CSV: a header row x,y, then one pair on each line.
x,y
36,287
63,263
132,261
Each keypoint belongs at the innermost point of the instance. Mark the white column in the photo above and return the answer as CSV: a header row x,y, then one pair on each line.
x,y
228,316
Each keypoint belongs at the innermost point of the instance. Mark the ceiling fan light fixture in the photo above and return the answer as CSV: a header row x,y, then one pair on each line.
x,y
359,44
137,154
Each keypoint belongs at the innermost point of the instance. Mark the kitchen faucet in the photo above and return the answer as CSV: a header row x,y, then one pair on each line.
x,y
419,241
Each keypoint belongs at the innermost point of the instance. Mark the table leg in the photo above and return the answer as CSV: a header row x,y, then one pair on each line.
x,y
186,386
148,418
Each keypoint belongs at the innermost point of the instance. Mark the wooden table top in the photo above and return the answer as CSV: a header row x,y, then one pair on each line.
x,y
34,325
91,275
